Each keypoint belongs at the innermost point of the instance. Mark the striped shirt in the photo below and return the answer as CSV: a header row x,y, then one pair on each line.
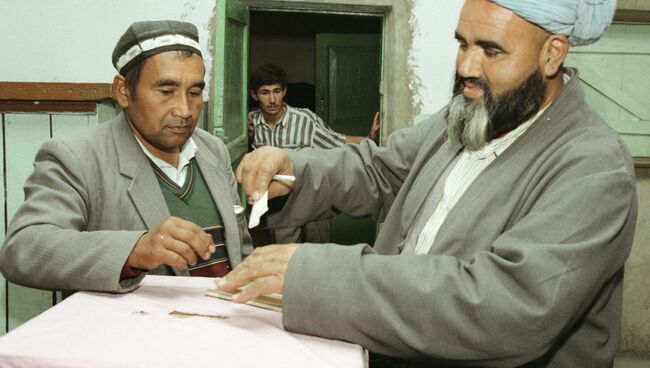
x,y
298,128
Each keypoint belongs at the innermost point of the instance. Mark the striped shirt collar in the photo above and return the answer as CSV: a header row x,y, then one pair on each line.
x,y
260,120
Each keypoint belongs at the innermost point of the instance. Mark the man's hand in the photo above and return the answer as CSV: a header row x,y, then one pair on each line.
x,y
373,133
174,242
264,270
251,131
256,170
374,128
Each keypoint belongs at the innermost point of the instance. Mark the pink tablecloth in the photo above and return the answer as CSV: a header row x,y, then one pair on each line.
x,y
137,330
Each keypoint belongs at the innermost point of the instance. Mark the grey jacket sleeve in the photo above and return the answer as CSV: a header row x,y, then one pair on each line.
x,y
356,179
506,304
47,245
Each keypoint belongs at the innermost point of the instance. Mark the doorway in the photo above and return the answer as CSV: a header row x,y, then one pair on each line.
x,y
333,63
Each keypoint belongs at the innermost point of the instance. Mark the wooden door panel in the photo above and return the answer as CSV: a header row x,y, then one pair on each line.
x,y
351,111
24,134
229,107
348,68
616,75
3,282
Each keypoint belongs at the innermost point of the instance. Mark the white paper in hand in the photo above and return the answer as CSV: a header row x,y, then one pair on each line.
x,y
259,208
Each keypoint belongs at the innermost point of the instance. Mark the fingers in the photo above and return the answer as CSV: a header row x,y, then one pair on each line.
x,y
262,286
256,170
175,242
262,272
374,128
251,129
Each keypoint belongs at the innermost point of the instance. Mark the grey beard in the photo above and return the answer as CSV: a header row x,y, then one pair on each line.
x,y
468,123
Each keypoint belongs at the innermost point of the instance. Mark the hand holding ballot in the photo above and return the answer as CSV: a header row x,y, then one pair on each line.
x,y
257,170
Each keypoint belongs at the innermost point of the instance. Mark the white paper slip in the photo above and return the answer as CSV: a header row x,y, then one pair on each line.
x,y
272,301
259,208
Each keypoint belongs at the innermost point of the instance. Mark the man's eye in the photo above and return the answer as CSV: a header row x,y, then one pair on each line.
x,y
490,52
166,92
195,93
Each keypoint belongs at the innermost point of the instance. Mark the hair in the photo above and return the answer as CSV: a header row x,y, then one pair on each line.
x,y
267,74
132,75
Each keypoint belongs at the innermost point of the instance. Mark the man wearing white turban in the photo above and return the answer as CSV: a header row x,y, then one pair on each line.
x,y
507,217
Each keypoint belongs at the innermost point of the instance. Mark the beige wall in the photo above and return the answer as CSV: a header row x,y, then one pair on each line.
x,y
636,297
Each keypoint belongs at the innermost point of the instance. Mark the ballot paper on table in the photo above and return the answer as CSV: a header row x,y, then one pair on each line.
x,y
271,301
259,208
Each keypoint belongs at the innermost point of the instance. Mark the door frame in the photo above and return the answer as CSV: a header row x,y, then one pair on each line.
x,y
394,90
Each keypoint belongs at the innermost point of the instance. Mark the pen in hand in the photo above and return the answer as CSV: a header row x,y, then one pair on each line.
x,y
284,177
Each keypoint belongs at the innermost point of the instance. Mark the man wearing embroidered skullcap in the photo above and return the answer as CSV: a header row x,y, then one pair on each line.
x,y
506,218
145,192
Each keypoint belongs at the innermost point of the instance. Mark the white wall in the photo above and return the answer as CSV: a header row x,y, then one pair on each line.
x,y
72,40
434,52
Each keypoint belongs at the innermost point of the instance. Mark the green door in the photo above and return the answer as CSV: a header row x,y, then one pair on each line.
x,y
228,105
348,68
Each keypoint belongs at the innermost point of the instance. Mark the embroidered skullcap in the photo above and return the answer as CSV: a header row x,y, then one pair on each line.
x,y
583,21
144,39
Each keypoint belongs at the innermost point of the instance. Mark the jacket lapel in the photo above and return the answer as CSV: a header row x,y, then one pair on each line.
x,y
144,190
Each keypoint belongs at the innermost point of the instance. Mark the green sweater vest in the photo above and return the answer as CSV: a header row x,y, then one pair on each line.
x,y
193,201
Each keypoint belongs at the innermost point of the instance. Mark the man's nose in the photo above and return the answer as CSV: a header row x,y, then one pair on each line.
x,y
182,108
470,63
272,98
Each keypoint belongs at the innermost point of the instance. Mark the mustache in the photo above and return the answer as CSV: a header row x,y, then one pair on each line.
x,y
459,84
179,123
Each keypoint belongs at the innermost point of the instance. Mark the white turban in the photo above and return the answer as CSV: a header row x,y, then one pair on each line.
x,y
583,21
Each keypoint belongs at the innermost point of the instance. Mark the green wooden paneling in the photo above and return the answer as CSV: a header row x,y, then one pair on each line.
x,y
229,94
65,124
348,69
24,134
105,111
3,283
616,73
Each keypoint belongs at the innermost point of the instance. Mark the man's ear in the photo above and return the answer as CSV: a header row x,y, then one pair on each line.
x,y
253,94
554,51
121,91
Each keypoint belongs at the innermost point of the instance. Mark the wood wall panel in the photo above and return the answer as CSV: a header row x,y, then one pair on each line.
x,y
3,282
616,75
24,134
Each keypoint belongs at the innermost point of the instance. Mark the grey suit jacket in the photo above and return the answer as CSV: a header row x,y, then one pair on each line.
x,y
91,196
526,270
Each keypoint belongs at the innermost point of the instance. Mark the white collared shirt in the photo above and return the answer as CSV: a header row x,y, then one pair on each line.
x,y
177,175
